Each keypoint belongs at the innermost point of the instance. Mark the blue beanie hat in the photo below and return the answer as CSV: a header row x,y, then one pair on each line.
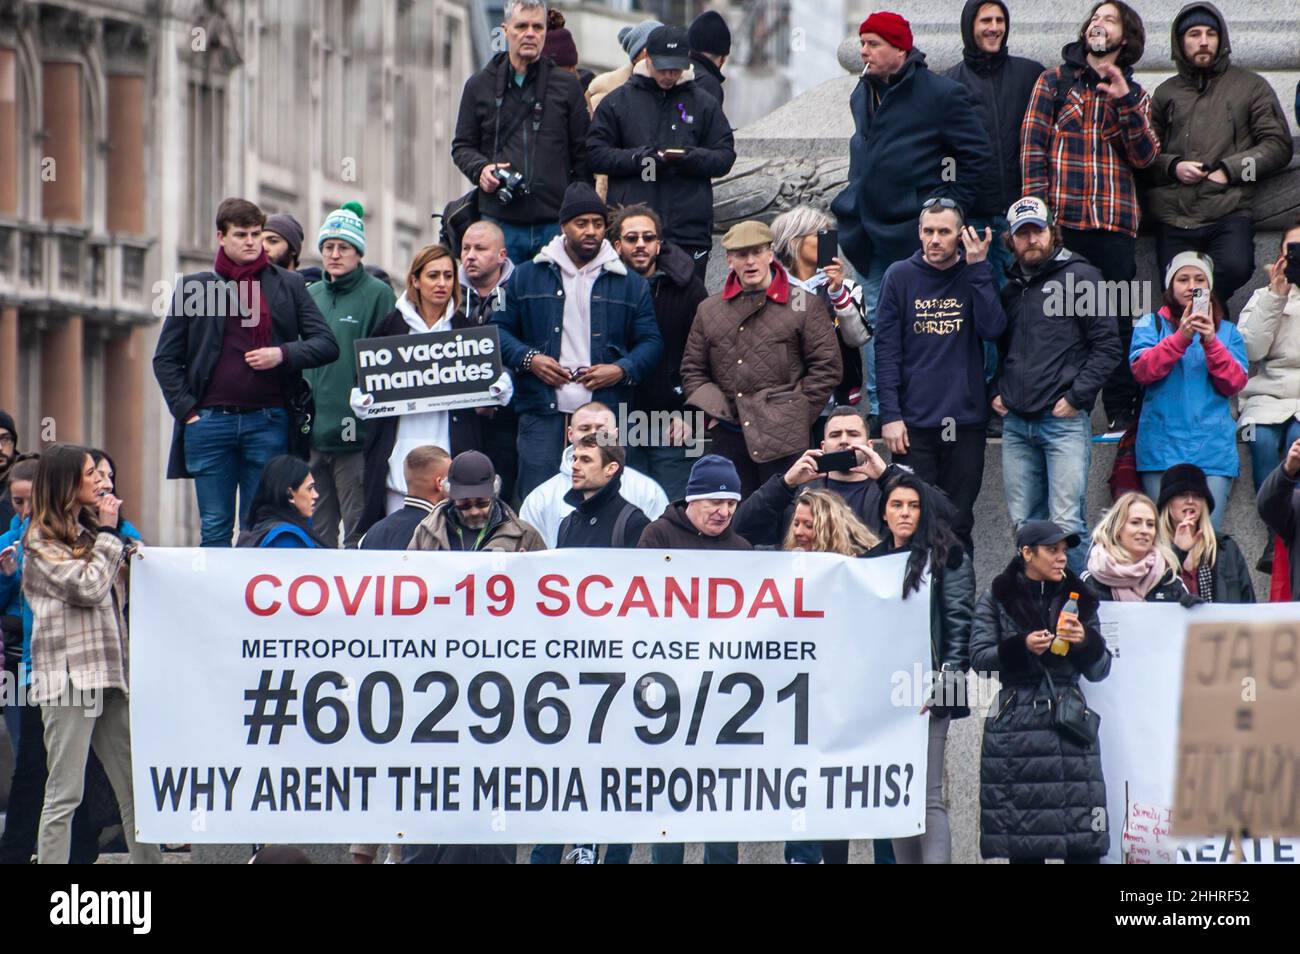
x,y
713,478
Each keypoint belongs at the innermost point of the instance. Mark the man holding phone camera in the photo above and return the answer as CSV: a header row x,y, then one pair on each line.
x,y
1222,130
662,139
521,134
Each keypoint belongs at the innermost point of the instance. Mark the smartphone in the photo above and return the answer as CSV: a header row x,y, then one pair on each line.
x,y
828,246
1293,263
1200,301
673,155
837,460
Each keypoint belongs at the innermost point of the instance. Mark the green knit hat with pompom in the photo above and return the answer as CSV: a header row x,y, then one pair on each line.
x,y
346,223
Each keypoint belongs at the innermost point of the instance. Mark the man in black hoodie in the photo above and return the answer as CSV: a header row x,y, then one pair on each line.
x,y
710,47
522,115
8,452
935,309
1000,85
677,291
602,517
1054,361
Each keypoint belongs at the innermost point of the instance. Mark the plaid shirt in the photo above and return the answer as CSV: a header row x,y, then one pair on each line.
x,y
77,626
1080,158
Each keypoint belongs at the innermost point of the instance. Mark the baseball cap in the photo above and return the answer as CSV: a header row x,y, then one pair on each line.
x,y
1035,533
669,48
1030,210
470,476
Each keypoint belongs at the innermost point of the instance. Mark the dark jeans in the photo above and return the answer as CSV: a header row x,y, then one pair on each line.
x,y
27,797
500,433
1115,255
669,467
701,258
1229,241
541,444
954,466
522,241
731,445
817,852
225,451
715,853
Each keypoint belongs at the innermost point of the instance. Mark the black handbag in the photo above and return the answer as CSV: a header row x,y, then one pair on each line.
x,y
1071,716
458,215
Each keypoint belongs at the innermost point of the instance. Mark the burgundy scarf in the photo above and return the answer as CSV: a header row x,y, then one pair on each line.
x,y
246,276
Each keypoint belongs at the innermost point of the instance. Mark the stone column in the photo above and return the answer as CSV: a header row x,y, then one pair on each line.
x,y
8,132
124,361
9,359
61,195
62,383
126,184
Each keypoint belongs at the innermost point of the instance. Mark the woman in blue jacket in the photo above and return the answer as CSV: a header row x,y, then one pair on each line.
x,y
1191,366
280,513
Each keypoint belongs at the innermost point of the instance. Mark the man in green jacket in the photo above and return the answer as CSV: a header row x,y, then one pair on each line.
x,y
353,303
1221,130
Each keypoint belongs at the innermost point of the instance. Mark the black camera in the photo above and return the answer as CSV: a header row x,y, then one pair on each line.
x,y
512,184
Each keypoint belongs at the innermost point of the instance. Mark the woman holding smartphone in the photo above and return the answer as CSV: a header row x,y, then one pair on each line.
x,y
74,578
1191,362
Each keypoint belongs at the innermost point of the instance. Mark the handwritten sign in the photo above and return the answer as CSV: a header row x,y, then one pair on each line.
x,y
1146,838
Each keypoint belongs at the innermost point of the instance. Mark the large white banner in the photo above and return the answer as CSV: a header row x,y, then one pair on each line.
x,y
1139,707
565,696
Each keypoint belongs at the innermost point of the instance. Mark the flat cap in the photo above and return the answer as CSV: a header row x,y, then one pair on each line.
x,y
747,235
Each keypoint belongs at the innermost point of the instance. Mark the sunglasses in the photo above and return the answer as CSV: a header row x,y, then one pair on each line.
x,y
942,202
645,238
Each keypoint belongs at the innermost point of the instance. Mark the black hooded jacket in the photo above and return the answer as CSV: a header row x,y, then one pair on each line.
x,y
1000,86
677,293
595,519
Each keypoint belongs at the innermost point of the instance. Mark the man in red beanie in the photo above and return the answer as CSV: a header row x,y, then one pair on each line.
x,y
916,135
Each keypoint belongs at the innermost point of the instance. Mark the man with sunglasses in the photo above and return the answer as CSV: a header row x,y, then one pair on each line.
x,y
677,291
935,311
474,518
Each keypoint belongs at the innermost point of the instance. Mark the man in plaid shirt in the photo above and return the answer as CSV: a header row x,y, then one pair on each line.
x,y
1087,129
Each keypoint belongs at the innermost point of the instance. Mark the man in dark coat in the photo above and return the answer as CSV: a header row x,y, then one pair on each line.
x,y
999,85
916,135
662,140
710,47
602,517
8,452
522,115
231,383
637,234
1209,170
425,469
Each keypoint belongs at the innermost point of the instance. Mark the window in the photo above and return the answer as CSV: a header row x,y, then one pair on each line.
x,y
205,129
343,91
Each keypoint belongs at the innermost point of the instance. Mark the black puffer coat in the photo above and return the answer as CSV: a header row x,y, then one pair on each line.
x,y
1170,589
1039,792
1231,573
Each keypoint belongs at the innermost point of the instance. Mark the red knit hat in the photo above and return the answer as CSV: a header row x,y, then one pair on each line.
x,y
890,27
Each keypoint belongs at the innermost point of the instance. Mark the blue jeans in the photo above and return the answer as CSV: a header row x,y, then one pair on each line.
x,y
224,451
715,853
1269,447
1045,474
524,241
669,467
1000,258
871,283
1220,489
554,854
540,444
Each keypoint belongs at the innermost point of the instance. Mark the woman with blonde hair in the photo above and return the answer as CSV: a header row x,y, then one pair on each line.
x,y
823,523
1128,562
1211,564
431,302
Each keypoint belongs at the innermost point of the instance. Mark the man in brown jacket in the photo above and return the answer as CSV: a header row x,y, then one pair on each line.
x,y
474,517
1221,131
761,360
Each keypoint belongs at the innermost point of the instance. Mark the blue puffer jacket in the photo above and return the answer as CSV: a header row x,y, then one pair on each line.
x,y
623,329
916,136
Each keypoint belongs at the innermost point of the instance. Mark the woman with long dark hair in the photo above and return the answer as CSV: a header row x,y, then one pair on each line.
x,y
916,521
280,512
1191,362
73,577
108,470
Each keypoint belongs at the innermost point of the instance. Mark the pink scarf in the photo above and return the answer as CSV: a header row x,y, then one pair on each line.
x,y
1129,582
246,276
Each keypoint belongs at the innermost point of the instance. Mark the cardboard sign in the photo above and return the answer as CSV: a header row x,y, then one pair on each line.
x,y
1239,730
436,371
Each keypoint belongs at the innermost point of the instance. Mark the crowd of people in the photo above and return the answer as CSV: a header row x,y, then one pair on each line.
x,y
988,213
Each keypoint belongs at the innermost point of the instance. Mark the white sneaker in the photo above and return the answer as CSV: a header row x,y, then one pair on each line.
x,y
582,855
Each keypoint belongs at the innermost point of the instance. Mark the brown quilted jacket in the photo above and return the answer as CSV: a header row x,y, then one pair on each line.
x,y
764,362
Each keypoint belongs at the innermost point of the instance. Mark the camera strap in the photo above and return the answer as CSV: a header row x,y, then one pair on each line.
x,y
534,101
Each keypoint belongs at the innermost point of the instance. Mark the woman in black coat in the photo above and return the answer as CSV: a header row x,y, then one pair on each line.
x,y
913,521
1211,565
1040,792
